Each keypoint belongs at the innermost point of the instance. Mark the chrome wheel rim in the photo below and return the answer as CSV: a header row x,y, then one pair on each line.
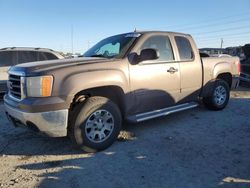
x,y
220,95
99,126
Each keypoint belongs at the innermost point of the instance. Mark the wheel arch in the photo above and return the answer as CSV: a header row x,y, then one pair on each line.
x,y
227,77
112,92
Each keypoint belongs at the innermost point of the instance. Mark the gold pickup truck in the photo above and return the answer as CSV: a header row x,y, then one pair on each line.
x,y
133,76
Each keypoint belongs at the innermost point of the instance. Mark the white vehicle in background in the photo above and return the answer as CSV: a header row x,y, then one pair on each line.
x,y
72,56
220,55
17,55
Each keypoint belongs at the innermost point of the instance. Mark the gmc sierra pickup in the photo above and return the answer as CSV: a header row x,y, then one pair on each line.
x,y
134,76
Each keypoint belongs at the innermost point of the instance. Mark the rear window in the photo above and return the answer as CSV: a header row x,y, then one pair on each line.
x,y
7,58
184,48
27,56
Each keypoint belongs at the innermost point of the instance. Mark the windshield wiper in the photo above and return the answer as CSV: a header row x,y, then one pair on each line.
x,y
98,55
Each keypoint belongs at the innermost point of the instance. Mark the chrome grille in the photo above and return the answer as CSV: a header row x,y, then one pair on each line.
x,y
14,85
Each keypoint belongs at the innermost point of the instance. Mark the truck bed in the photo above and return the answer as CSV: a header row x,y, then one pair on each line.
x,y
211,66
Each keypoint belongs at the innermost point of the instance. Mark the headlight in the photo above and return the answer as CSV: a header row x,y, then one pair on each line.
x,y
39,86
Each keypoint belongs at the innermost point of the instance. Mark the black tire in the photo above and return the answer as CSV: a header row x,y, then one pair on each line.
x,y
97,108
212,102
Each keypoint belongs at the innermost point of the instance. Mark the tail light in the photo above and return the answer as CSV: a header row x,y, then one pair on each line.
x,y
238,65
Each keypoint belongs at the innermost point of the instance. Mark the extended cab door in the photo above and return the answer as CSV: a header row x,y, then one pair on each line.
x,y
190,68
155,83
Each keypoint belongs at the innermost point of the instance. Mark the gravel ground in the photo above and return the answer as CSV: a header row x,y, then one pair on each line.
x,y
195,148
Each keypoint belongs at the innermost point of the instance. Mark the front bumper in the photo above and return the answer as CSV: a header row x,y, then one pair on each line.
x,y
52,123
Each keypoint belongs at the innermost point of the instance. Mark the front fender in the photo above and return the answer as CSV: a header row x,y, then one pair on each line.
x,y
77,82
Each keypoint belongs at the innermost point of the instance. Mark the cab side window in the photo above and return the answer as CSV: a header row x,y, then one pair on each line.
x,y
162,44
184,48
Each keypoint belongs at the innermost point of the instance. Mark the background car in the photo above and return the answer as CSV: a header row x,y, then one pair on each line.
x,y
245,67
220,55
17,55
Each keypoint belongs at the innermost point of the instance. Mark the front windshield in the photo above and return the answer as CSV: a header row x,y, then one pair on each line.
x,y
112,47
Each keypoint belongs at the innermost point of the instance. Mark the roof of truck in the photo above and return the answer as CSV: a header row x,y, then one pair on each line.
x,y
171,32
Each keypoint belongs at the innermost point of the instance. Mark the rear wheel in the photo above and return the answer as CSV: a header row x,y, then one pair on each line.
x,y
220,96
95,124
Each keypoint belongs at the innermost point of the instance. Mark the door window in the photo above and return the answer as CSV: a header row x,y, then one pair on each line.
x,y
162,44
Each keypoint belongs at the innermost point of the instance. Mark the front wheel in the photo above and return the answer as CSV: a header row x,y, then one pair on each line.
x,y
95,124
220,96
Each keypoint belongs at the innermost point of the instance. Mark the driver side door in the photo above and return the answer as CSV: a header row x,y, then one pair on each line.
x,y
155,83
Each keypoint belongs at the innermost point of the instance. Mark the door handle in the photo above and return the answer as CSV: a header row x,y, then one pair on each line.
x,y
172,70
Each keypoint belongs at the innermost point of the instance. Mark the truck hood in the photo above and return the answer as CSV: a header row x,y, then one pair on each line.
x,y
34,68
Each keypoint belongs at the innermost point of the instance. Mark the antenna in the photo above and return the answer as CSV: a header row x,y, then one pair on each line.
x,y
135,30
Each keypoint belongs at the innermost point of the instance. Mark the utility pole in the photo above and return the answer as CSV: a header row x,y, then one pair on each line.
x,y
221,43
72,40
88,44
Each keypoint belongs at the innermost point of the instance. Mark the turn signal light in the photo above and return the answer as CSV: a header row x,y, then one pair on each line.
x,y
46,88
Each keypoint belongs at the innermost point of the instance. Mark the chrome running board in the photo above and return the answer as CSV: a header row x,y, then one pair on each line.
x,y
162,112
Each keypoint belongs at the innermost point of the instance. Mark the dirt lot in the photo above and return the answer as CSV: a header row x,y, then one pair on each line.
x,y
195,148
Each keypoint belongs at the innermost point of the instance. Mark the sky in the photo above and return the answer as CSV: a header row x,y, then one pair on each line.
x,y
57,24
